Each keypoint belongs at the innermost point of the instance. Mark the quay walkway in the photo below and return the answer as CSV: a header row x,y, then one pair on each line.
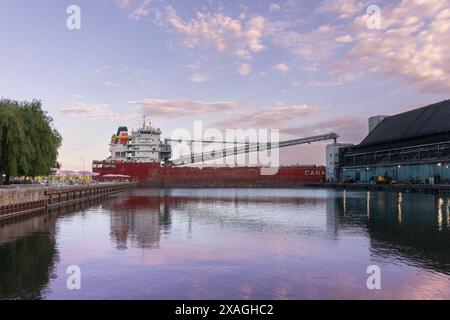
x,y
16,201
441,189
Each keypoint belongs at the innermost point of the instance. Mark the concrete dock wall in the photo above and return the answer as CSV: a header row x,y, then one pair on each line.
x,y
11,196
17,201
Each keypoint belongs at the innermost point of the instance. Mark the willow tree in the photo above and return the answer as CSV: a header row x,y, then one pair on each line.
x,y
11,139
28,141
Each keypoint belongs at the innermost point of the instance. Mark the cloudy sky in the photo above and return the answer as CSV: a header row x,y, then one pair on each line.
x,y
303,67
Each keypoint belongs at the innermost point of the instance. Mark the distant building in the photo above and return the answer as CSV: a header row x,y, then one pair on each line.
x,y
412,147
374,121
332,160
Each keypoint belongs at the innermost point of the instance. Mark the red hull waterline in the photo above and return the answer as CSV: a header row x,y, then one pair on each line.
x,y
153,175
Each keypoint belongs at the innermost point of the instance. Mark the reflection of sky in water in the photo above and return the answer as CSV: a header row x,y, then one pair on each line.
x,y
242,244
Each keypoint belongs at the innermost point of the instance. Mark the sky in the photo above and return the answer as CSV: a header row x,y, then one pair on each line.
x,y
303,67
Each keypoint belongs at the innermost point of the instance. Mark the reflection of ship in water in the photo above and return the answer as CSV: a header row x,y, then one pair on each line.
x,y
28,252
415,227
138,218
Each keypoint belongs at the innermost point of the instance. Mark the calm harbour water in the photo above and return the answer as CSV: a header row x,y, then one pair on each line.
x,y
233,244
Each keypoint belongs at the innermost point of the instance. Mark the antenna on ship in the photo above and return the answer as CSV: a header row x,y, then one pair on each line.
x,y
143,126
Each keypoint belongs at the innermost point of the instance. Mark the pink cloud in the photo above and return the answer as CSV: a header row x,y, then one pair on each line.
x,y
412,45
217,31
186,107
343,8
275,117
350,129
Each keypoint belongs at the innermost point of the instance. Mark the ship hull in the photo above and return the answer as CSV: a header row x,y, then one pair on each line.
x,y
153,175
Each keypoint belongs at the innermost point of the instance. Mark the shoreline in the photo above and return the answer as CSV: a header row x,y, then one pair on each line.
x,y
21,201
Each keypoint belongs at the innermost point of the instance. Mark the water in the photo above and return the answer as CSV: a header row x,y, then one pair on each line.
x,y
233,244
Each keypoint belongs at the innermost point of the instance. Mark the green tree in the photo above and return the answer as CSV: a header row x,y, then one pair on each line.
x,y
11,139
28,141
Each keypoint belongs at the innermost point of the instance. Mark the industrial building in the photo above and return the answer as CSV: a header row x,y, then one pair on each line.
x,y
410,147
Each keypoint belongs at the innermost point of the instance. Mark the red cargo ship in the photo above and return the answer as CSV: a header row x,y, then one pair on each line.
x,y
140,156
153,174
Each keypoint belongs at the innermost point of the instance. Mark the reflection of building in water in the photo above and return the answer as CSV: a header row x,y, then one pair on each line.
x,y
342,206
137,218
414,226
331,210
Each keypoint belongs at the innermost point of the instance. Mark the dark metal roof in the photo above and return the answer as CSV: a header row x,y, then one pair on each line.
x,y
431,119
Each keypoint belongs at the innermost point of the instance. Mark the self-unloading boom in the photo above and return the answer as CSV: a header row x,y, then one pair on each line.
x,y
246,148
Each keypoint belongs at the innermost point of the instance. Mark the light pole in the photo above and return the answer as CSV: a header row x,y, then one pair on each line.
x,y
81,179
82,160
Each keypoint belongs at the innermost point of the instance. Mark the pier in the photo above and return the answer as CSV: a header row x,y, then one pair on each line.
x,y
441,189
23,200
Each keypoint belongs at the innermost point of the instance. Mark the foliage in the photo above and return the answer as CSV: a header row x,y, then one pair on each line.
x,y
28,141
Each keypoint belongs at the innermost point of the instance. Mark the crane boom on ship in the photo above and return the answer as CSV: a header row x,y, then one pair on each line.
x,y
246,148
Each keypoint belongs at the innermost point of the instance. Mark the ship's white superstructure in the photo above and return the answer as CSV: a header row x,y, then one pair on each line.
x,y
142,145
119,145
